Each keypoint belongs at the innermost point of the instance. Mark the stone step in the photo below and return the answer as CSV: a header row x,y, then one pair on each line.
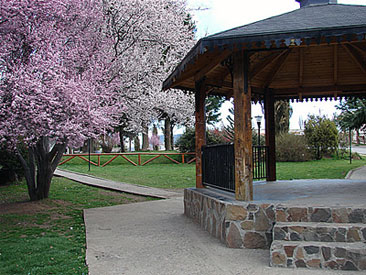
x,y
320,232
327,255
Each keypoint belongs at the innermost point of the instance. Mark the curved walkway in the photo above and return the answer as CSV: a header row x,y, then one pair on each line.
x,y
156,238
116,186
357,174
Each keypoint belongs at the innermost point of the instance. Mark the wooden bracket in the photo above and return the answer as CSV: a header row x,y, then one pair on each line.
x,y
199,83
228,63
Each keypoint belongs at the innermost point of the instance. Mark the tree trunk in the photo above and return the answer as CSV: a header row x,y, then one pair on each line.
x,y
40,167
137,143
145,139
121,140
172,135
167,135
155,132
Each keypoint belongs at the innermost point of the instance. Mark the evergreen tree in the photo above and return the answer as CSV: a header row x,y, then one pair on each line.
x,y
213,105
283,112
353,114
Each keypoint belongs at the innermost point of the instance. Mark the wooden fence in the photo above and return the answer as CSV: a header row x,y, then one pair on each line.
x,y
113,156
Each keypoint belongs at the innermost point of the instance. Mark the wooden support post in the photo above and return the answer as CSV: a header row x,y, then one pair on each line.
x,y
270,134
200,128
242,127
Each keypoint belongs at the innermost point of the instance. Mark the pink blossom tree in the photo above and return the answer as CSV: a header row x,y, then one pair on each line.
x,y
56,86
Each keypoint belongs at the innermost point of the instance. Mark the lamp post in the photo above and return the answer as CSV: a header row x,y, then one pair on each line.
x,y
259,120
89,152
258,170
350,146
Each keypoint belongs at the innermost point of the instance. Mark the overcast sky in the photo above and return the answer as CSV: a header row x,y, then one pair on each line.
x,y
220,15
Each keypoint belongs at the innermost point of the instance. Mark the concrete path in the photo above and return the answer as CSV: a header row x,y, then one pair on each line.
x,y
156,238
357,174
117,186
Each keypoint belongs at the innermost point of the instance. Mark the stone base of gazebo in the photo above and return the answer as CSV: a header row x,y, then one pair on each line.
x,y
237,224
297,234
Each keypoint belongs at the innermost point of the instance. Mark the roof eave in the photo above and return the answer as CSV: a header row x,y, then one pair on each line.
x,y
207,44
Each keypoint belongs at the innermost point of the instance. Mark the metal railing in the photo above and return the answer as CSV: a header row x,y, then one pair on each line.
x,y
218,165
260,157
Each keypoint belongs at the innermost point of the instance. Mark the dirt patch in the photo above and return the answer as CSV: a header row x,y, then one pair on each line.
x,y
62,203
24,207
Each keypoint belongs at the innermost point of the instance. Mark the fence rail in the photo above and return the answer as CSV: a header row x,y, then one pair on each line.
x,y
218,164
139,162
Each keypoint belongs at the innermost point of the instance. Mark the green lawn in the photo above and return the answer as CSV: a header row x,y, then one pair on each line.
x,y
317,169
155,175
48,237
183,175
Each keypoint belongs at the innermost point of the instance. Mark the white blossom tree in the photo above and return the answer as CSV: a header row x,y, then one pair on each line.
x,y
151,37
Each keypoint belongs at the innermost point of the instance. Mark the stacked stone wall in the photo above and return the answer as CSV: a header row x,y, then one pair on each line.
x,y
250,225
313,255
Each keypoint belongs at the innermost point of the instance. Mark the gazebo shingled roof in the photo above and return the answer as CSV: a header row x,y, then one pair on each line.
x,y
317,51
322,24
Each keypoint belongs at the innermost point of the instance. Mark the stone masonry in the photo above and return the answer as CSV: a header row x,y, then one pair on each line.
x,y
328,255
255,225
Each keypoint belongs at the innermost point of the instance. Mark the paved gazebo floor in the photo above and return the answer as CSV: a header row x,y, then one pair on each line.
x,y
329,192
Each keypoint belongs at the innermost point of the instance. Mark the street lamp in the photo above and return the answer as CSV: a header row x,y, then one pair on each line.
x,y
350,146
89,150
259,120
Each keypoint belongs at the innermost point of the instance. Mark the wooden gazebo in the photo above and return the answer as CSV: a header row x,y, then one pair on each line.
x,y
315,52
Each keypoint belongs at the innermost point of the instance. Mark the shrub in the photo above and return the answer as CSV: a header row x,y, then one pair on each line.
x,y
187,143
290,147
11,169
322,135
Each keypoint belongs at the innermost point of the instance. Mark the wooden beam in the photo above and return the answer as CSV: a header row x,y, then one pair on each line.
x,y
216,61
356,47
335,64
263,65
277,67
200,128
202,70
219,83
243,129
322,90
270,134
355,57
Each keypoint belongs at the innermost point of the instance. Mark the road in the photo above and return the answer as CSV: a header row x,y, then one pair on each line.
x,y
361,149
